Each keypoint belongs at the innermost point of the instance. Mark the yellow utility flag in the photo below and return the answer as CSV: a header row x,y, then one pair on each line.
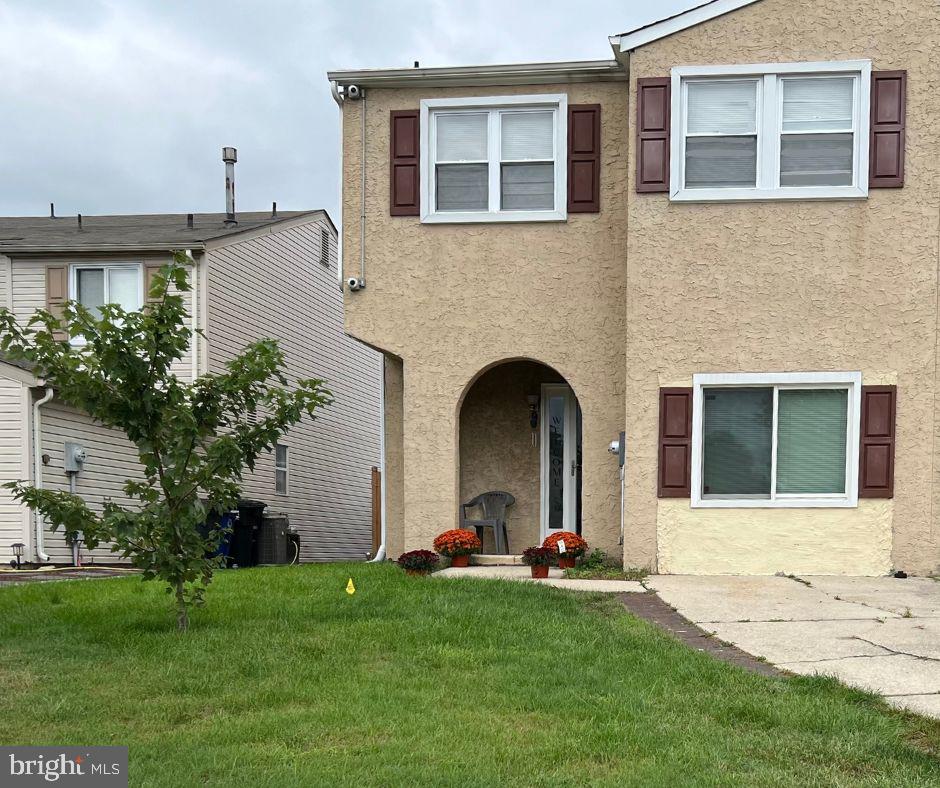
x,y
350,588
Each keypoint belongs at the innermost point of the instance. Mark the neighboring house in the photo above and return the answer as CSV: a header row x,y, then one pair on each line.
x,y
265,275
723,242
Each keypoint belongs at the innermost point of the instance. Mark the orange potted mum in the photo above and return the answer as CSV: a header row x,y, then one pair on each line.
x,y
567,546
457,544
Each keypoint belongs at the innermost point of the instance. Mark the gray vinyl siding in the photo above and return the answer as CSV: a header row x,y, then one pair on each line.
x,y
111,460
275,286
14,518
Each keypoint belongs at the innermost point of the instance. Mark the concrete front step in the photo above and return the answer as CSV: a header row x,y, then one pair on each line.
x,y
489,559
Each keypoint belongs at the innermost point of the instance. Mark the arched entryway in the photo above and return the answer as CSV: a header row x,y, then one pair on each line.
x,y
520,432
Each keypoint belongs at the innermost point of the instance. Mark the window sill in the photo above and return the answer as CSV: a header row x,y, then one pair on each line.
x,y
780,503
493,217
770,195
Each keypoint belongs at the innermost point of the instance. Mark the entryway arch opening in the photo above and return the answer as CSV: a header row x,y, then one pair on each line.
x,y
519,431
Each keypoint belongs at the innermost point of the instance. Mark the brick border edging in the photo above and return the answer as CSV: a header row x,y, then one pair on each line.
x,y
651,608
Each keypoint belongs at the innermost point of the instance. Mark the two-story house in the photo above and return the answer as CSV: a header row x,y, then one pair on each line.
x,y
722,242
253,275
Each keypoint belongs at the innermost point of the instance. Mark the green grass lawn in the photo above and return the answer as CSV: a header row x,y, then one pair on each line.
x,y
286,680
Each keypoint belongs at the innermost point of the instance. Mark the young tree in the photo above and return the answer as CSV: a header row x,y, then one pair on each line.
x,y
194,439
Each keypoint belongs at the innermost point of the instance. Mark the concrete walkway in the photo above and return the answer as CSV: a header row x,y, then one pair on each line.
x,y
880,634
555,579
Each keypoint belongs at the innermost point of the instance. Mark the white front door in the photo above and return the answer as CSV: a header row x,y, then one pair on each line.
x,y
559,417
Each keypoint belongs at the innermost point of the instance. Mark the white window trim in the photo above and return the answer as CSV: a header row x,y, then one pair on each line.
x,y
768,131
285,468
796,380
555,101
73,282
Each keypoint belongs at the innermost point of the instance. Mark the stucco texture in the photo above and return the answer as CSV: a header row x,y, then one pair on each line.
x,y
496,447
793,286
453,300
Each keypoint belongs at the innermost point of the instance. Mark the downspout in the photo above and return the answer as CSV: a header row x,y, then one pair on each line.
x,y
380,553
334,89
194,316
37,470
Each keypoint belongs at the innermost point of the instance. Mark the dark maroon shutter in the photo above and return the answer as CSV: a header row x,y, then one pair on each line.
x,y
675,443
876,443
405,163
652,134
886,144
584,158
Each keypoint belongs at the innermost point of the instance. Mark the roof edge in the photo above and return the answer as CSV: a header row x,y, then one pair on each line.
x,y
625,42
504,74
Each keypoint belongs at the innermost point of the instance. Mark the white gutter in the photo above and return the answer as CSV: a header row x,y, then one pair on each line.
x,y
380,553
37,470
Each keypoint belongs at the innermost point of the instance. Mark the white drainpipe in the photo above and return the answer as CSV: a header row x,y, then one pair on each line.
x,y
37,469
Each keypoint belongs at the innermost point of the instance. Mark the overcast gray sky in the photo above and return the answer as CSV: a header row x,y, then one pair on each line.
x,y
122,106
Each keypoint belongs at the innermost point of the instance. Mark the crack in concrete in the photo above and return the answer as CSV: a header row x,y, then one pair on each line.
x,y
788,620
895,651
836,598
911,694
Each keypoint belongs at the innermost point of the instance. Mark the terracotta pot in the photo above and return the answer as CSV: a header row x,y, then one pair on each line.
x,y
566,562
460,560
417,572
539,570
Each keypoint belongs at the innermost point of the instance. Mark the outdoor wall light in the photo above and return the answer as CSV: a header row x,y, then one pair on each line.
x,y
18,549
533,400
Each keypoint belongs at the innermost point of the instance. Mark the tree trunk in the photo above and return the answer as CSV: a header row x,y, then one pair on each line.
x,y
182,614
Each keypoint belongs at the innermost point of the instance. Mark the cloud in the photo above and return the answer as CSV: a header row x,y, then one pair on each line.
x,y
123,107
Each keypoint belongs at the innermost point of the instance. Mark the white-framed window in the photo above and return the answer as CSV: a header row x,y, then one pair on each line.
x,y
280,469
94,284
786,439
494,159
771,131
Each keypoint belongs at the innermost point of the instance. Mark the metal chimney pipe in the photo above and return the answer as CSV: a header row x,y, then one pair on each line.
x,y
230,156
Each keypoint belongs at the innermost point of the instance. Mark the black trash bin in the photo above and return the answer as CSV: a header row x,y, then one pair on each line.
x,y
244,547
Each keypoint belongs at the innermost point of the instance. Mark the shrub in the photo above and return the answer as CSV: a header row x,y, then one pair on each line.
x,y
457,542
574,545
418,560
538,556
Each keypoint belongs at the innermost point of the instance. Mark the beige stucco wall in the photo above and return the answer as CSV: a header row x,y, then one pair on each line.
x,y
793,286
496,447
394,458
451,300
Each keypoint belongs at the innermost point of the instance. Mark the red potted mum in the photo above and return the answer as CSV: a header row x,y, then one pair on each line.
x,y
457,545
418,562
567,546
538,560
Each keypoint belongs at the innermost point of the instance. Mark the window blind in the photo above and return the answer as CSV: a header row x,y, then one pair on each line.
x,y
461,137
818,104
124,288
722,107
811,440
90,287
527,135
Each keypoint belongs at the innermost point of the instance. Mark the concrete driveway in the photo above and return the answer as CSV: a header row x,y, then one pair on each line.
x,y
880,634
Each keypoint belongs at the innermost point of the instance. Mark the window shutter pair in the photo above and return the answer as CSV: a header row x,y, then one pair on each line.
x,y
886,135
876,442
583,160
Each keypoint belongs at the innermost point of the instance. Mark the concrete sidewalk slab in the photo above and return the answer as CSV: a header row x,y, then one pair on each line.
x,y
732,598
555,578
880,634
919,595
797,641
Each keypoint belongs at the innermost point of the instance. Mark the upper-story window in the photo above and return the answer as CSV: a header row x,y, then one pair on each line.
x,y
93,286
797,130
494,159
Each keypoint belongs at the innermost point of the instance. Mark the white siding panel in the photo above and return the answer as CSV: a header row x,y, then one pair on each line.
x,y
14,518
29,294
111,460
276,286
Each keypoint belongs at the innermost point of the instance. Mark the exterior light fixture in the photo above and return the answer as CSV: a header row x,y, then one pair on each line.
x,y
533,400
18,549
